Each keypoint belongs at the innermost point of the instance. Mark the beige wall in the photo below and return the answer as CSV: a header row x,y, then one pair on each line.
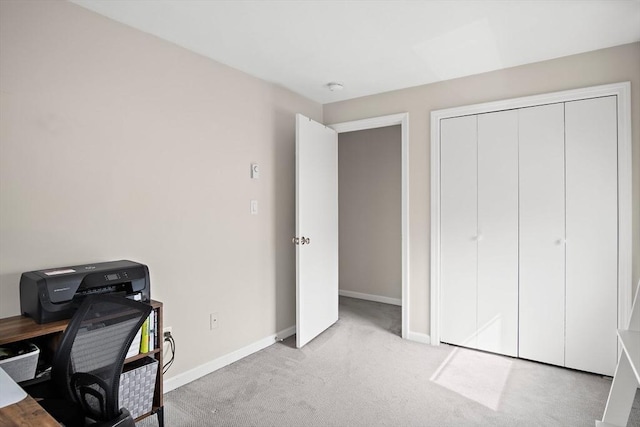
x,y
611,65
115,144
369,177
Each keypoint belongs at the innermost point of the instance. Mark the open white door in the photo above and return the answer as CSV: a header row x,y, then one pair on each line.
x,y
316,229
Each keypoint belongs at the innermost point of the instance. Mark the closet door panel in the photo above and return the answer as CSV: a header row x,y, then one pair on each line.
x,y
498,232
592,250
458,148
542,233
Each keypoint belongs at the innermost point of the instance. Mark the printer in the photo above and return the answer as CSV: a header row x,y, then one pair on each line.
x,y
55,293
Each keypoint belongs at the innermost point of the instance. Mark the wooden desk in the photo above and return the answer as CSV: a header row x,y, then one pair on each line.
x,y
26,413
20,328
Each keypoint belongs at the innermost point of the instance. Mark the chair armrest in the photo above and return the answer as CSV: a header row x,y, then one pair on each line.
x,y
90,392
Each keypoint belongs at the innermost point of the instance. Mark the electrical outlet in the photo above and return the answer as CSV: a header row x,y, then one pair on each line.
x,y
166,346
213,321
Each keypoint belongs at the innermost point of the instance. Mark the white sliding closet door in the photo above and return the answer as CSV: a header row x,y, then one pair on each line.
x,y
498,232
592,246
458,145
542,234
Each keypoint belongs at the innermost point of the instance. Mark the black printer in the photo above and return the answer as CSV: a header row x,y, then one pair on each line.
x,y
55,293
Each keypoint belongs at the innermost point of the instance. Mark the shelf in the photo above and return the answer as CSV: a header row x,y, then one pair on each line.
x,y
20,328
624,385
154,410
630,341
141,355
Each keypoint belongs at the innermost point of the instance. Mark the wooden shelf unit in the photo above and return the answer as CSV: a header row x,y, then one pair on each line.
x,y
21,328
626,380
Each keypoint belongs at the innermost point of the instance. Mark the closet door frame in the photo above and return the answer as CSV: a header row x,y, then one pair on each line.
x,y
623,92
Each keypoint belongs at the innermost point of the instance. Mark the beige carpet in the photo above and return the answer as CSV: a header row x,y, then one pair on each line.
x,y
361,373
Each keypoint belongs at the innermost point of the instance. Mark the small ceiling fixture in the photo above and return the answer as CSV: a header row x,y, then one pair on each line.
x,y
333,86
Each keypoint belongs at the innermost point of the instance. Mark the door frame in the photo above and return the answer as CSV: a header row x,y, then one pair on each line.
x,y
401,119
623,92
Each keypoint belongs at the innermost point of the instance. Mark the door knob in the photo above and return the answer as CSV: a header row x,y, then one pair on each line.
x,y
301,240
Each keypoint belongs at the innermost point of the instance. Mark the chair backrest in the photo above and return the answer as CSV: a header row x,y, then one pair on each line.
x,y
89,360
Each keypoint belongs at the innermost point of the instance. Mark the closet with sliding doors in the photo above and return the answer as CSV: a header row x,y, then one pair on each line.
x,y
530,258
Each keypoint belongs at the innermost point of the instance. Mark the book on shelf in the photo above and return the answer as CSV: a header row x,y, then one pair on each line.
x,y
144,339
147,337
152,330
135,344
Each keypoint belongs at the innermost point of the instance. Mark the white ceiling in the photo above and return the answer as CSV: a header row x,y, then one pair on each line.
x,y
377,46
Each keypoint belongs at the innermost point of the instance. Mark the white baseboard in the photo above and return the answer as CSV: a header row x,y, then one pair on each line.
x,y
222,361
369,297
418,337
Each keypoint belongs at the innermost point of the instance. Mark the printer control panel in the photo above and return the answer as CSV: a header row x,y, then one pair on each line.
x,y
116,276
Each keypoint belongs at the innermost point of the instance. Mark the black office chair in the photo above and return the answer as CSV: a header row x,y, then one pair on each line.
x,y
85,374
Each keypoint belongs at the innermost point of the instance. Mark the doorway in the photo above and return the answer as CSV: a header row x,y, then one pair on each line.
x,y
398,123
370,233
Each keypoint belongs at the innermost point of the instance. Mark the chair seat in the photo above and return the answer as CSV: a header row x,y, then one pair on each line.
x,y
71,415
123,420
